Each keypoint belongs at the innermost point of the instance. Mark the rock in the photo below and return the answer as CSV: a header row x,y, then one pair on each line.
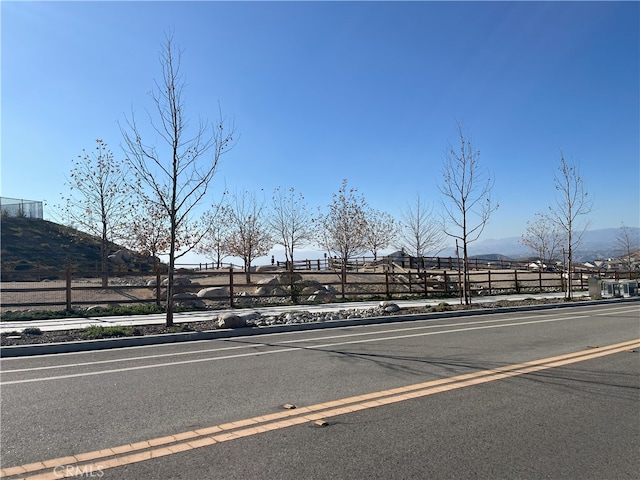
x,y
182,281
389,307
192,303
185,296
285,278
263,291
120,257
249,317
279,292
267,268
243,298
268,281
321,296
214,293
231,320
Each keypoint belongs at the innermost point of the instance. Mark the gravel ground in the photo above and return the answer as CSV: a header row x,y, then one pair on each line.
x,y
299,316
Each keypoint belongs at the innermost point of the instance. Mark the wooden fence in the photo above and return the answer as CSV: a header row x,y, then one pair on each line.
x,y
229,287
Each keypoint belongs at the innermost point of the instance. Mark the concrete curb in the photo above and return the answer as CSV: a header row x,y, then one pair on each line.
x,y
109,343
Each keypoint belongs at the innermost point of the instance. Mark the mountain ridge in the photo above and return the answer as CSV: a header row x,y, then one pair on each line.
x,y
596,244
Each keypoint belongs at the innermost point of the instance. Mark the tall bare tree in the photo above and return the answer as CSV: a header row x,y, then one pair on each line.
x,y
250,235
543,238
215,243
290,221
98,200
179,170
420,233
467,203
572,205
381,231
628,245
341,231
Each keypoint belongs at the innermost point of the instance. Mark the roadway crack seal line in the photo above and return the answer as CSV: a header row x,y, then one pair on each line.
x,y
146,450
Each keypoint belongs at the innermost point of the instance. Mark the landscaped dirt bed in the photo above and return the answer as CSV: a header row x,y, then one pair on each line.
x,y
26,338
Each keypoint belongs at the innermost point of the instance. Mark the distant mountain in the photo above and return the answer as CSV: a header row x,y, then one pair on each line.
x,y
596,244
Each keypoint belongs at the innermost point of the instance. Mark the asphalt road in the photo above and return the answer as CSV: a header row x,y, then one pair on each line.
x,y
532,395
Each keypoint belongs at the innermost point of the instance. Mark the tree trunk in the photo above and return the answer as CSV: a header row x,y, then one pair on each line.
x,y
104,263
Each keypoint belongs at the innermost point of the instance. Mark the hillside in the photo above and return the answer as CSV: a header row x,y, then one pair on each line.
x,y
29,244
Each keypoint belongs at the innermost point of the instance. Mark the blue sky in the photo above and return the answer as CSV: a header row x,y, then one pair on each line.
x,y
321,91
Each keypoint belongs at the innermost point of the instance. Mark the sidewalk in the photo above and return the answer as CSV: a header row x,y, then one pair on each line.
x,y
185,317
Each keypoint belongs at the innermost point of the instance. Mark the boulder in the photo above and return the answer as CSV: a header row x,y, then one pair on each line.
x,y
393,308
185,296
214,293
279,292
231,320
120,257
181,281
249,317
267,268
321,296
268,281
263,291
285,278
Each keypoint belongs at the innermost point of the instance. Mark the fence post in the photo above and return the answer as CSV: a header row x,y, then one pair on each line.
x,y
386,281
318,264
426,294
446,282
489,278
68,287
231,286
515,276
540,278
158,287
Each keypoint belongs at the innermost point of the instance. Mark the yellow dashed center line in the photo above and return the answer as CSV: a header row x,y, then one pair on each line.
x,y
98,461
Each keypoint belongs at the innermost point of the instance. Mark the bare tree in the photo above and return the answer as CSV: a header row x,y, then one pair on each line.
x,y
149,231
543,238
341,231
628,245
572,205
290,221
178,171
381,230
250,235
420,233
215,243
467,203
99,198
